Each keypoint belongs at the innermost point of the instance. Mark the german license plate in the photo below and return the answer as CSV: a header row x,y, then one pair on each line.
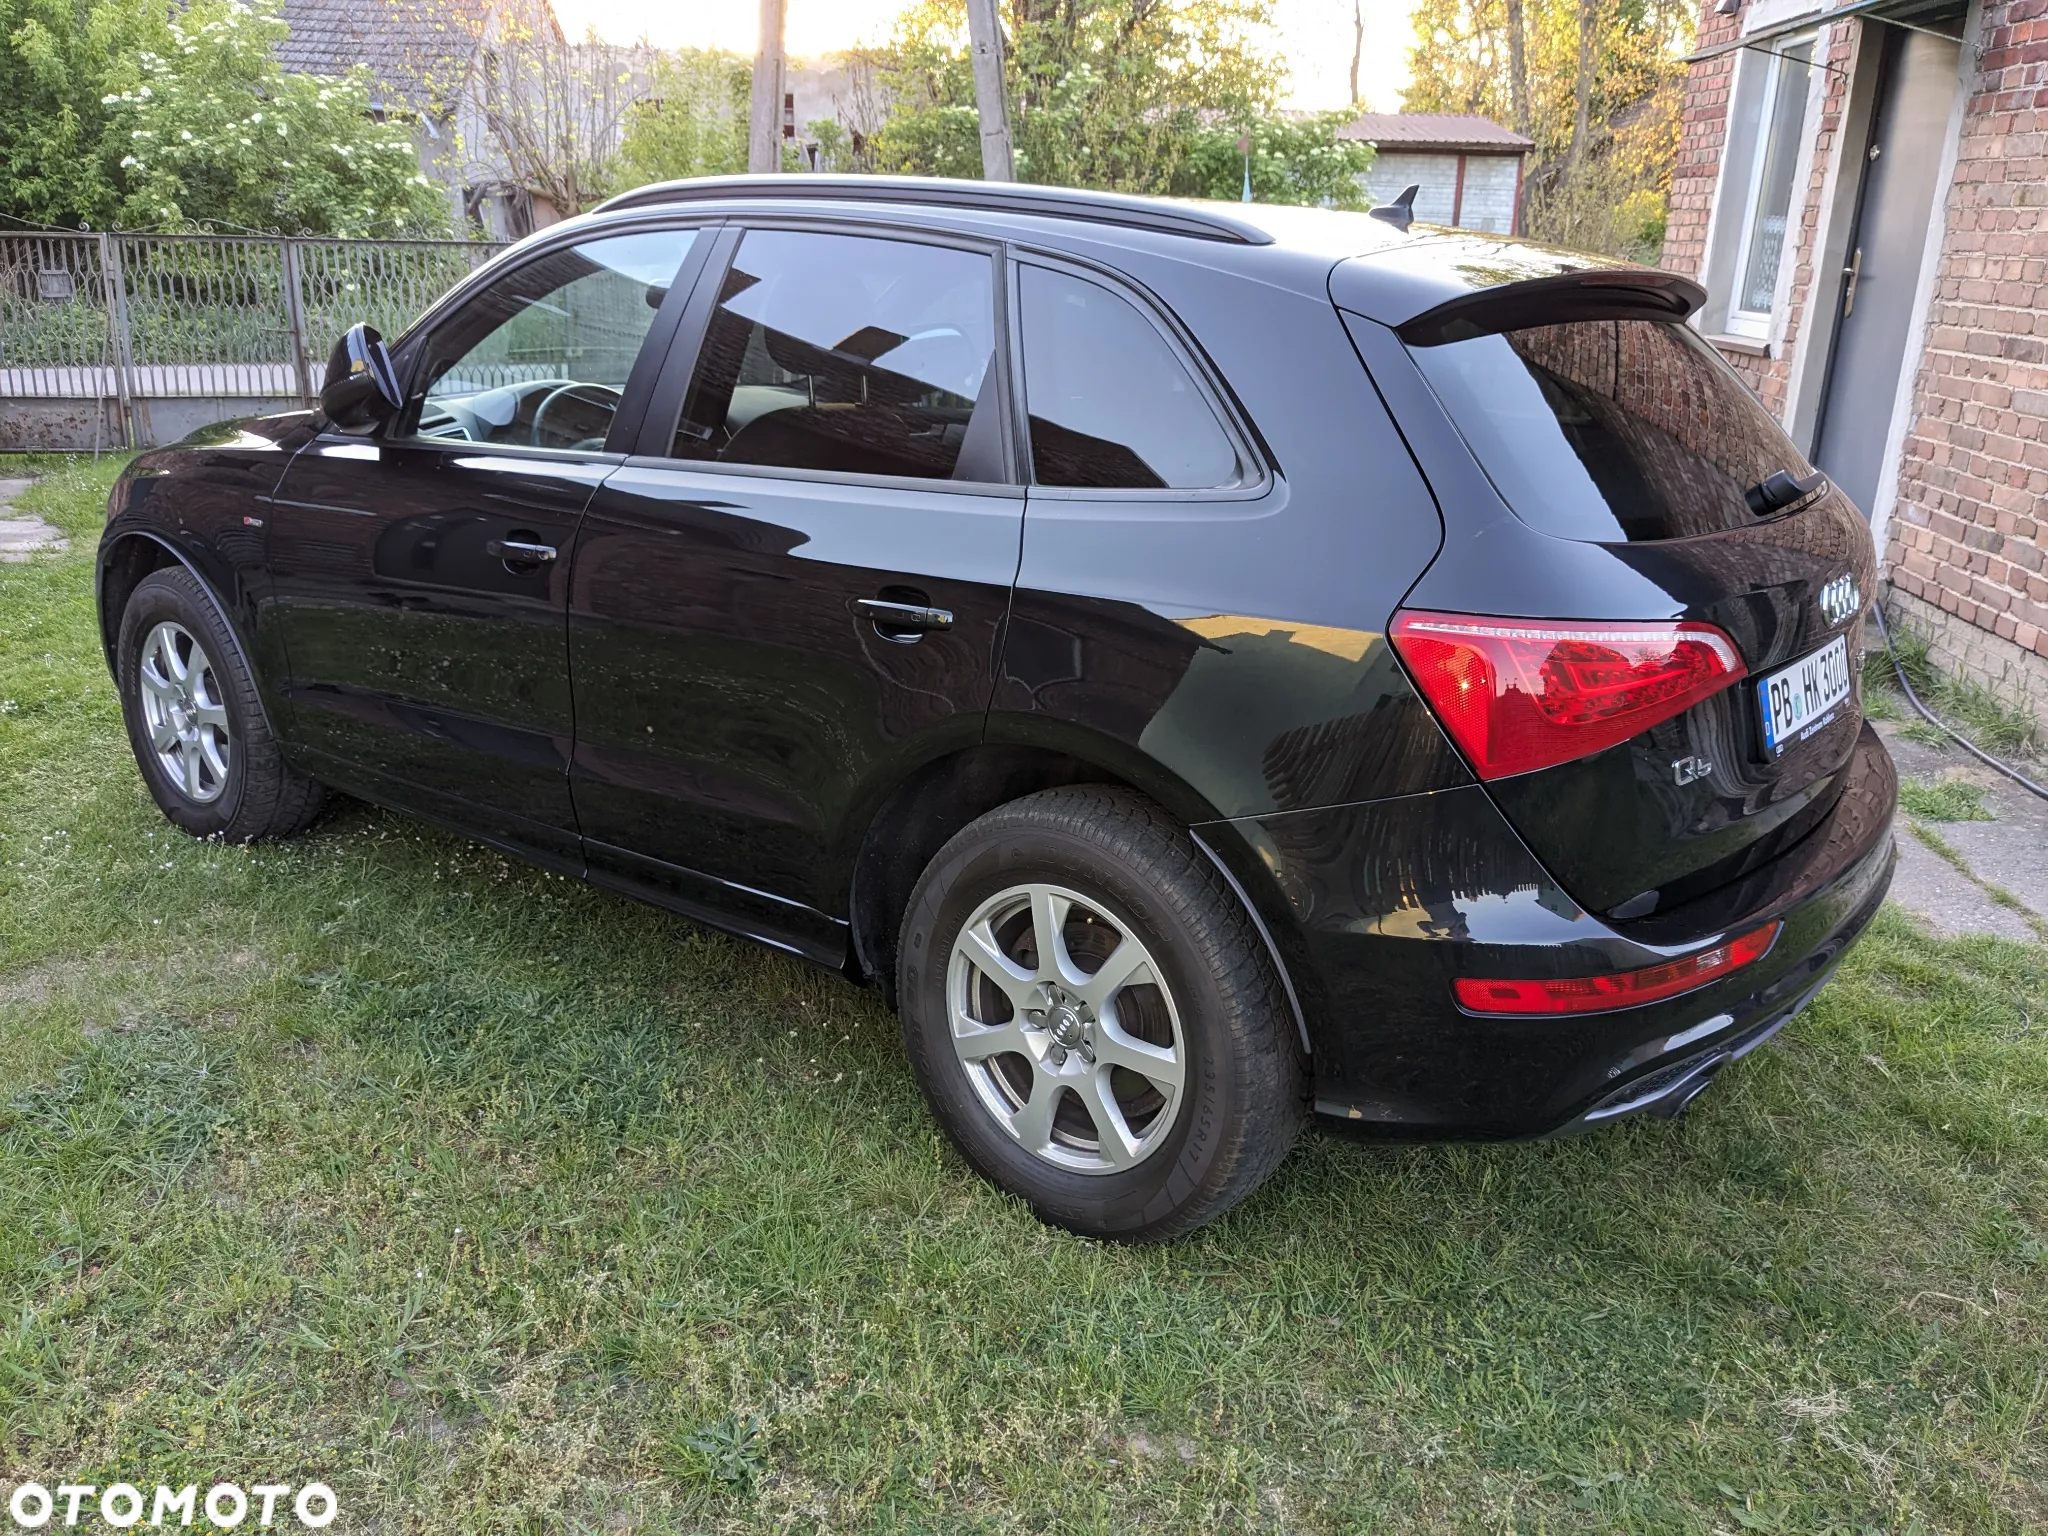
x,y
1798,700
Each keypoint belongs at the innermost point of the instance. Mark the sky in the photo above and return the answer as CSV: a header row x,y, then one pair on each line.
x,y
1315,36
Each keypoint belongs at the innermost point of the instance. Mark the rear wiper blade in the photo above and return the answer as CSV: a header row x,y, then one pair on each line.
x,y
1778,490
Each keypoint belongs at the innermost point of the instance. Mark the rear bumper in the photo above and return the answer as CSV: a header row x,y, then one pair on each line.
x,y
1665,1088
1396,899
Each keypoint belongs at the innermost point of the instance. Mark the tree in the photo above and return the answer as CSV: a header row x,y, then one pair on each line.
x,y
55,58
533,109
1596,83
693,122
154,116
834,142
1297,160
1106,93
1357,44
1518,67
1129,95
217,133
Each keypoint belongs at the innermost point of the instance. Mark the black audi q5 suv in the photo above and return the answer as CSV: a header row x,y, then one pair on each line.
x,y
1208,665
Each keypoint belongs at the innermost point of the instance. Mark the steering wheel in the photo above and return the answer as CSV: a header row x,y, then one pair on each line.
x,y
601,397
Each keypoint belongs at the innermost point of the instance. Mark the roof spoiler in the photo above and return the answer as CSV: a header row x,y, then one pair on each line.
x,y
1600,293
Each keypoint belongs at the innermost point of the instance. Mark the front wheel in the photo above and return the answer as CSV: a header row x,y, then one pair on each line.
x,y
1094,1020
194,721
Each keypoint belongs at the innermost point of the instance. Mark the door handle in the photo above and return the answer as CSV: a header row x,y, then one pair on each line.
x,y
1854,273
519,552
903,621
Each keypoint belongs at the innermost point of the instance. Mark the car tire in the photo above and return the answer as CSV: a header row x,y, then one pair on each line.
x,y
1149,1090
195,723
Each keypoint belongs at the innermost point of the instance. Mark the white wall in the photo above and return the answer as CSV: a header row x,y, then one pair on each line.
x,y
1393,170
1489,200
1490,193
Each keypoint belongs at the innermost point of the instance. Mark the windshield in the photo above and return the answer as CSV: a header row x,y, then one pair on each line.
x,y
1610,430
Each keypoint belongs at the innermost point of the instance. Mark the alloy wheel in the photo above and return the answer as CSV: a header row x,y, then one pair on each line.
x,y
183,712
1066,1029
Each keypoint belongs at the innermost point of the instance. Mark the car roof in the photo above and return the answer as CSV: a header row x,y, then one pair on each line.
x,y
1376,268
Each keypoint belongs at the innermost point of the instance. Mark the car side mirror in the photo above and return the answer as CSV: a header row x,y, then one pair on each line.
x,y
361,386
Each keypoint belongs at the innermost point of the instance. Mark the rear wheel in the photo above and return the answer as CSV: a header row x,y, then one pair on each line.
x,y
1093,1019
194,722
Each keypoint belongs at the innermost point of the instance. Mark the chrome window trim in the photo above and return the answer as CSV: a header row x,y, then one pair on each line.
x,y
995,488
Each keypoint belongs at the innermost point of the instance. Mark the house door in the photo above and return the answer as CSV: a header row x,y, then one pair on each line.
x,y
1916,90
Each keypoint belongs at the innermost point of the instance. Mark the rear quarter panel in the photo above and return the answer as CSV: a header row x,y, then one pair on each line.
x,y
1238,640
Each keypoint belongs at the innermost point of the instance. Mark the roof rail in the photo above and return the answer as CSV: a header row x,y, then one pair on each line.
x,y
1169,218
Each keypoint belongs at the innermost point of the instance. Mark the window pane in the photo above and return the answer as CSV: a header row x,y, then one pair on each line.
x,y
1773,206
1610,430
542,356
843,353
1110,404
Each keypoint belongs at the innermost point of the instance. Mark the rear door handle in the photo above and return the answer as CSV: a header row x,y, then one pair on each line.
x,y
520,552
903,616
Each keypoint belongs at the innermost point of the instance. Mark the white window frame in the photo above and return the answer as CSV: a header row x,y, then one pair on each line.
x,y
1752,324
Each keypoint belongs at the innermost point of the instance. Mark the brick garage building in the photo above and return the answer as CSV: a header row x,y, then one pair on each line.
x,y
1862,188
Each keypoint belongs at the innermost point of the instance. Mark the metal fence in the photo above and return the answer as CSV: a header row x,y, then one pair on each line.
x,y
120,320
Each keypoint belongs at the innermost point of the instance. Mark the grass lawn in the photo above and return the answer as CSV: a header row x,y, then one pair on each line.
x,y
501,1204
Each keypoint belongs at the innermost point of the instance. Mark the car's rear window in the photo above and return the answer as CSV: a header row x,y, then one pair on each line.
x,y
1610,430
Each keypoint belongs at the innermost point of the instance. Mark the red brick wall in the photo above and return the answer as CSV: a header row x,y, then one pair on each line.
x,y
1966,533
1702,130
1965,537
1704,133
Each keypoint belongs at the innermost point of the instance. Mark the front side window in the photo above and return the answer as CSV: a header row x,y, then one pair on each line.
x,y
1777,109
542,356
1112,406
1610,430
849,354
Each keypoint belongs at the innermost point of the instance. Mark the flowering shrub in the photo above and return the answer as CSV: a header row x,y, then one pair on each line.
x,y
217,133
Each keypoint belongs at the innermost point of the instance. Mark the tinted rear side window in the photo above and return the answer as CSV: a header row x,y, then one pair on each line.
x,y
844,353
1111,405
1610,430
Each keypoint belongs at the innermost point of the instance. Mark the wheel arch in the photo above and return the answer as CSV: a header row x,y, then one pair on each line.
x,y
123,563
927,806
128,559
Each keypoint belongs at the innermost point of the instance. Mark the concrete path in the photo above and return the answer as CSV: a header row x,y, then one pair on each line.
x,y
2004,857
22,538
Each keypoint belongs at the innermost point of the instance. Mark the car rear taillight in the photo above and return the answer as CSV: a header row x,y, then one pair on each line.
x,y
1521,694
1623,989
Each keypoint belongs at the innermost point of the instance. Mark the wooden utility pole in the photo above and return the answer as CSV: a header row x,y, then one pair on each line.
x,y
985,33
764,122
